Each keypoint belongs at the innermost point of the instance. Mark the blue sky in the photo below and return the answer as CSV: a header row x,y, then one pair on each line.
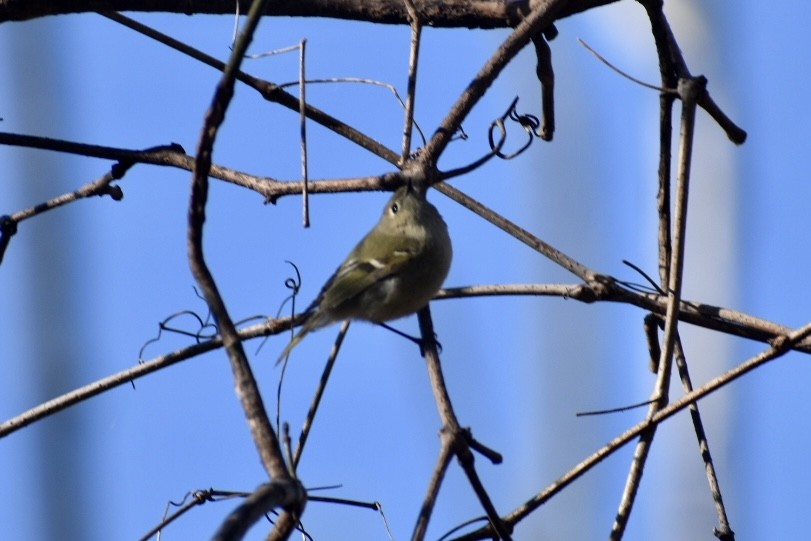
x,y
83,287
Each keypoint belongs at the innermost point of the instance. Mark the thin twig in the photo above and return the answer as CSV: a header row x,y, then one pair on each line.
x,y
640,82
637,468
269,91
434,484
413,64
688,90
174,156
305,176
724,531
319,393
99,187
171,155
576,268
198,498
365,81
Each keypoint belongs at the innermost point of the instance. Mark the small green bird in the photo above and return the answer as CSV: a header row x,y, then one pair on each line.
x,y
393,271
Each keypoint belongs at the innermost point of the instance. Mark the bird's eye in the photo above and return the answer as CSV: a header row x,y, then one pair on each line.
x,y
394,208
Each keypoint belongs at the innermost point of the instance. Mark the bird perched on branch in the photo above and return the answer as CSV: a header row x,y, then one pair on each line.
x,y
392,272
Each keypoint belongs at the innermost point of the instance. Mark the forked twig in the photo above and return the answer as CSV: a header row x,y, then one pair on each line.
x,y
455,441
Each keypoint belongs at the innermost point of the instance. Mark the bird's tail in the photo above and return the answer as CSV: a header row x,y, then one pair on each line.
x,y
293,343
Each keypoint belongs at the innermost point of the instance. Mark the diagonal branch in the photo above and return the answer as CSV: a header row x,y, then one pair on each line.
x,y
724,532
513,229
269,91
780,347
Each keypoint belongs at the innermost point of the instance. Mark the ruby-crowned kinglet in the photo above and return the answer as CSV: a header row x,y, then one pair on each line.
x,y
392,272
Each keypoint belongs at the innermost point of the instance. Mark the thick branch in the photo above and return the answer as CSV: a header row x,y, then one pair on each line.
x,y
438,13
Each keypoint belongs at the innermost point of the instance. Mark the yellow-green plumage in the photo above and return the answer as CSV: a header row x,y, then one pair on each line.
x,y
391,273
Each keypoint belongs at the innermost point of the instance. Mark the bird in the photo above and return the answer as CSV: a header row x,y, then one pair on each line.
x,y
391,273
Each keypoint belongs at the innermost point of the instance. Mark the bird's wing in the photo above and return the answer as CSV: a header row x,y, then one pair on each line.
x,y
356,276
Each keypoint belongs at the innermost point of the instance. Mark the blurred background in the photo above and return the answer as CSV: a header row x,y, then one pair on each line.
x,y
83,287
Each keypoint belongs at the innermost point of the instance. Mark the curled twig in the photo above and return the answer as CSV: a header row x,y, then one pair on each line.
x,y
530,125
195,498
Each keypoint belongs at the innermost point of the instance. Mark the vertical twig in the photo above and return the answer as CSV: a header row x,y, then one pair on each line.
x,y
689,90
675,274
666,100
661,364
413,63
302,111
669,80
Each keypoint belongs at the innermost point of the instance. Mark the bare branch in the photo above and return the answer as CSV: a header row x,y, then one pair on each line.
x,y
782,345
437,13
576,268
703,315
673,67
319,393
454,438
247,389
